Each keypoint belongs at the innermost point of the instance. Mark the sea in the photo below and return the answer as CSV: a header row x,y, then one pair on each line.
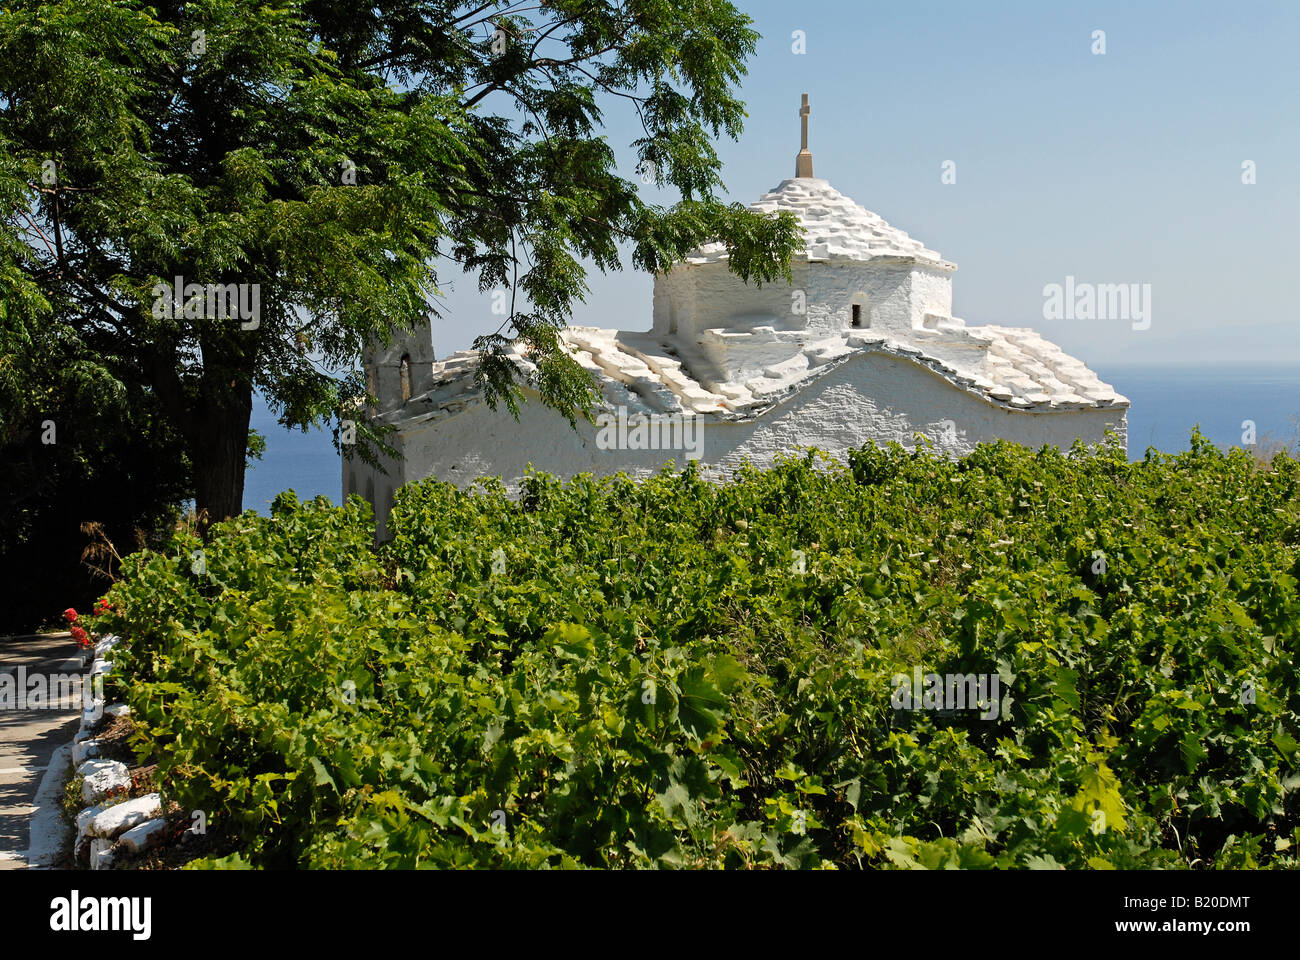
x,y
1168,401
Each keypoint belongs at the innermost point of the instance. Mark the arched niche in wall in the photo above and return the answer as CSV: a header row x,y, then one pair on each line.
x,y
860,311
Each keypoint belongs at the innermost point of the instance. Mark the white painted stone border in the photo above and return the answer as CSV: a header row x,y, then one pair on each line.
x,y
102,850
47,830
47,827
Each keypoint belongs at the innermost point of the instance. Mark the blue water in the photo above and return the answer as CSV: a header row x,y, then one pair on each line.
x,y
1167,401
306,463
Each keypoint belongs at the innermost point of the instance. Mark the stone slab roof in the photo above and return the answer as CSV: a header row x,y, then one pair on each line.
x,y
835,228
1016,368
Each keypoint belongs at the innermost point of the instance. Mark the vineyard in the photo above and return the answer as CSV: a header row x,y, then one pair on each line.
x,y
678,673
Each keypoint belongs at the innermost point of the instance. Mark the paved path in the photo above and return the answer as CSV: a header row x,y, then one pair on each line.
x,y
28,738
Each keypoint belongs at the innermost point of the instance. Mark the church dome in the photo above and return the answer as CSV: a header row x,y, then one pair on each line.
x,y
835,227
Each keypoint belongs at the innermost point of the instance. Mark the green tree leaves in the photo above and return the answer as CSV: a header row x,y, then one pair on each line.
x,y
334,158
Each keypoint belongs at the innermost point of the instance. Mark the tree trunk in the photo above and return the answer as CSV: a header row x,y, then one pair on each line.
x,y
218,451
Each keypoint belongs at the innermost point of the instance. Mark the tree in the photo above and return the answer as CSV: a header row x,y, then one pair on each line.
x,y
82,454
217,197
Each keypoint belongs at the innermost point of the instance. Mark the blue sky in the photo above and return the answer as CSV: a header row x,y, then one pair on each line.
x,y
1115,168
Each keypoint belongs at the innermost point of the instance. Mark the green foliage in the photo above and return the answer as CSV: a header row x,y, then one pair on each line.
x,y
71,803
77,446
619,673
333,156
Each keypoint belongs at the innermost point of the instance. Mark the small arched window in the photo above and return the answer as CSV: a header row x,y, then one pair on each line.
x,y
860,311
405,371
370,390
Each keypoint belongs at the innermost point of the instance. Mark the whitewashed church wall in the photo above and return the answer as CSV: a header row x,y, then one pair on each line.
x,y
674,300
377,487
871,397
931,292
386,362
708,295
894,297
883,398
881,289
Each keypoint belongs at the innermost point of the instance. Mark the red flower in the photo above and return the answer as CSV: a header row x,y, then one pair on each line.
x,y
80,636
70,615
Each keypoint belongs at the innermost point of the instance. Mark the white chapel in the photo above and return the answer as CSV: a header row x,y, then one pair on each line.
x,y
860,346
